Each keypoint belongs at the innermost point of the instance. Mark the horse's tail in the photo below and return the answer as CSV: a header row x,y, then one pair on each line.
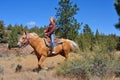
x,y
74,46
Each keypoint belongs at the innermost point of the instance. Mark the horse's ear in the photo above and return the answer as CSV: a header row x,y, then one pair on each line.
x,y
25,33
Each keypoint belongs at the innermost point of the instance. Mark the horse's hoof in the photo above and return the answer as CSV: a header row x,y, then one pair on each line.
x,y
36,70
52,67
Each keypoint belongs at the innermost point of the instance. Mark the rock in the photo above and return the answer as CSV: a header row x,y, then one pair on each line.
x,y
18,68
42,74
1,69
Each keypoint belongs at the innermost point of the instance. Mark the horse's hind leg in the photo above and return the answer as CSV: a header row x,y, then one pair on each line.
x,y
66,50
65,54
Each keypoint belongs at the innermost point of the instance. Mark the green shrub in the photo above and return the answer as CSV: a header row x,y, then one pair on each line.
x,y
100,65
13,38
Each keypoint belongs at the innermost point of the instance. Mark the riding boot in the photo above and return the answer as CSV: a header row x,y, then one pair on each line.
x,y
50,49
53,51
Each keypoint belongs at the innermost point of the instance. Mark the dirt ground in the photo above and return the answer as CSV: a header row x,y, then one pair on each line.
x,y
29,63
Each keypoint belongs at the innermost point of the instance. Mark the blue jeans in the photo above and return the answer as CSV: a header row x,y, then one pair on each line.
x,y
52,40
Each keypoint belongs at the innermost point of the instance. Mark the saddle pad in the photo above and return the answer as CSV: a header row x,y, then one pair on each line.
x,y
56,43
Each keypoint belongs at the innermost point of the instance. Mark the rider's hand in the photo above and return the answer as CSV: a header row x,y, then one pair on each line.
x,y
44,31
48,34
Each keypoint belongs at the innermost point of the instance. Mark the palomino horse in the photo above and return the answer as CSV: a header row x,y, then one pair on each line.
x,y
41,50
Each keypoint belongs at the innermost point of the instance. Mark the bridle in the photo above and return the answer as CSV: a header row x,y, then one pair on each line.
x,y
28,38
24,44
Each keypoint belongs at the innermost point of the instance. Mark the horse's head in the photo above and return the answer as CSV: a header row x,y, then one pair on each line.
x,y
23,40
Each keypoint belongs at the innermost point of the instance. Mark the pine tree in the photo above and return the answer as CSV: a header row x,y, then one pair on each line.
x,y
88,36
117,8
97,35
13,38
3,35
67,25
35,29
118,44
19,28
1,30
111,43
25,29
9,27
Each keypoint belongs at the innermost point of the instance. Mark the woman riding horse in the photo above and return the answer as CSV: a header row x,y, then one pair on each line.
x,y
50,34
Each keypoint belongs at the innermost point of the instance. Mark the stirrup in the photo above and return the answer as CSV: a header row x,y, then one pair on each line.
x,y
53,52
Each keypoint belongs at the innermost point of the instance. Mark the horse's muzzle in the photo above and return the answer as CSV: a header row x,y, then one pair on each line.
x,y
19,45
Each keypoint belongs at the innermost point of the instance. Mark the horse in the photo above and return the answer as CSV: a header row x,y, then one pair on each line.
x,y
41,50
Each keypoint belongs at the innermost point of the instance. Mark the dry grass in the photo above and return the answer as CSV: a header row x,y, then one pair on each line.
x,y
28,63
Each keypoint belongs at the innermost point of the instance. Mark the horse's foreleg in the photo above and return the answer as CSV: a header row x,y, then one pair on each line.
x,y
41,61
38,57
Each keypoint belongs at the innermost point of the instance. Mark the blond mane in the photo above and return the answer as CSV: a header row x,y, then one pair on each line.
x,y
34,34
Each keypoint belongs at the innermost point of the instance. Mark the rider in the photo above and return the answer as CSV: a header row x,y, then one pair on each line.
x,y
50,33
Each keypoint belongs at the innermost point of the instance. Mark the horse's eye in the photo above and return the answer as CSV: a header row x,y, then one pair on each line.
x,y
23,38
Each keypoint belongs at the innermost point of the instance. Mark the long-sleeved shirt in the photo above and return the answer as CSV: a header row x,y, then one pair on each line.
x,y
51,29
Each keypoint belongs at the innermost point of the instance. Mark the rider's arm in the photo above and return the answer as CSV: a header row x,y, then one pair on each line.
x,y
52,29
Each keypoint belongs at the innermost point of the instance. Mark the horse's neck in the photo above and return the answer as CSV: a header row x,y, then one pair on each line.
x,y
35,41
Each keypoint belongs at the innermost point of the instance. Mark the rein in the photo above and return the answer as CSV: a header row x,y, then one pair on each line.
x,y
28,38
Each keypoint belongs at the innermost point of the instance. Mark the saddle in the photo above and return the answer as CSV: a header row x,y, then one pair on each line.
x,y
56,41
